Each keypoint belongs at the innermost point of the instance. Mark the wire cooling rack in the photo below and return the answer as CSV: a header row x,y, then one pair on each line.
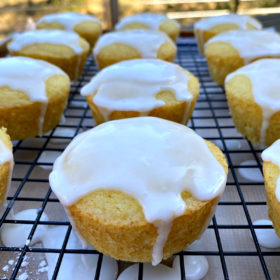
x,y
229,244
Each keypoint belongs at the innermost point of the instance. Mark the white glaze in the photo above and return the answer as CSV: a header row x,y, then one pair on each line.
x,y
264,75
29,76
120,87
272,154
160,157
267,237
252,174
73,266
15,235
48,157
58,37
240,20
6,155
146,42
63,132
68,19
251,44
196,267
153,21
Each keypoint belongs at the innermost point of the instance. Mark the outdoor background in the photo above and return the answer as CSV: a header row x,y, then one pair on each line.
x,y
16,14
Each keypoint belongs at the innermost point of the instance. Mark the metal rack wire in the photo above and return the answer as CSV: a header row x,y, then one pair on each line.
x,y
230,242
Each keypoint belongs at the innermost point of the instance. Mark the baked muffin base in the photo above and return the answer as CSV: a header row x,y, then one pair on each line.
x,y
113,222
222,59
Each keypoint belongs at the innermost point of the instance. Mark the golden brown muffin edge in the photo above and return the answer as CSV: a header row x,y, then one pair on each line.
x,y
271,173
113,222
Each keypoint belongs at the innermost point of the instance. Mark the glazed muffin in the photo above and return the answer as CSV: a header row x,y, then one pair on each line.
x,y
142,87
131,44
6,163
231,50
209,27
151,21
254,102
271,172
139,189
87,26
64,49
33,95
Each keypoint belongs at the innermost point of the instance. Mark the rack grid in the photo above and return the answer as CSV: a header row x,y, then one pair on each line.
x,y
230,242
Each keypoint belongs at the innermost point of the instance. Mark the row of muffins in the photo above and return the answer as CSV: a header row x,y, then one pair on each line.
x,y
171,94
80,206
38,108
68,51
246,60
230,43
66,39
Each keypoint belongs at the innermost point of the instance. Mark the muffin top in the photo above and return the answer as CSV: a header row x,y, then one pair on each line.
x,y
250,43
68,19
147,42
19,73
58,37
132,85
240,20
264,76
152,159
153,21
29,76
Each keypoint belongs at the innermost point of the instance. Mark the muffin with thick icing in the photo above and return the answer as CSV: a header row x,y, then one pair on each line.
x,y
6,163
140,189
231,50
114,47
271,172
64,49
209,27
254,101
142,87
33,95
151,21
87,26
